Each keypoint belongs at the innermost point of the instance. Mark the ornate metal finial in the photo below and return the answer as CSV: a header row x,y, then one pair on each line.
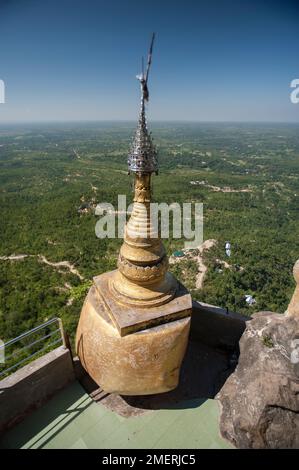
x,y
142,158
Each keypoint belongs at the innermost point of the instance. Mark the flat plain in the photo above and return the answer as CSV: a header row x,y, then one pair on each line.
x,y
53,175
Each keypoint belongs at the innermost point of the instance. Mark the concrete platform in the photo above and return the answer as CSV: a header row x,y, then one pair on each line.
x,y
72,420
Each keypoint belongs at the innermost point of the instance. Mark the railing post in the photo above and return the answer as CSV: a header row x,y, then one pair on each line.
x,y
62,332
65,338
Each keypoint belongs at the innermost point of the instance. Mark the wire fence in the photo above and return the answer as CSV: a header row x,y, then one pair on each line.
x,y
30,345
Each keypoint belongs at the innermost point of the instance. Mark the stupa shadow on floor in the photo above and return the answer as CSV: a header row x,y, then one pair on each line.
x,y
203,373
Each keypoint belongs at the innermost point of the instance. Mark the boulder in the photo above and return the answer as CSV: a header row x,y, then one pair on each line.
x,y
260,400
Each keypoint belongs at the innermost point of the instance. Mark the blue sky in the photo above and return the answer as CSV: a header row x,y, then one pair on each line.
x,y
213,60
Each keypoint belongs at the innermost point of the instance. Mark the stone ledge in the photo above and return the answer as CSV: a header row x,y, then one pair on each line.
x,y
34,384
215,326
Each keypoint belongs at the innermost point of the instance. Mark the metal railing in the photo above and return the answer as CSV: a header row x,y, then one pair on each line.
x,y
26,347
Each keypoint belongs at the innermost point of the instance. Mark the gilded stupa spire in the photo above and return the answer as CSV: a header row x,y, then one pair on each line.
x,y
142,278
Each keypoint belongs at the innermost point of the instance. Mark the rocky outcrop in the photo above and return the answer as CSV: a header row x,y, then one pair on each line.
x,y
260,400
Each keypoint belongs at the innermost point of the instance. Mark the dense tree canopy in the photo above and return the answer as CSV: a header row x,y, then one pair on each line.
x,y
246,176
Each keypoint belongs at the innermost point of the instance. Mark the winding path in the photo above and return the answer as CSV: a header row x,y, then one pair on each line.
x,y
202,268
43,259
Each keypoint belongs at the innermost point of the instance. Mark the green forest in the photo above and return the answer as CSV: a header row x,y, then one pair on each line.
x,y
52,177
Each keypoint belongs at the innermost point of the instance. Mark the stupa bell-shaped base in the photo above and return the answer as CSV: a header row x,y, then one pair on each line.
x,y
131,350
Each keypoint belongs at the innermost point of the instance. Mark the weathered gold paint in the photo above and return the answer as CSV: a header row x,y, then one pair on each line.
x,y
141,363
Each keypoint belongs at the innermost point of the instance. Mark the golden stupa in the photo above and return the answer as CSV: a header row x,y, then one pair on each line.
x,y
134,325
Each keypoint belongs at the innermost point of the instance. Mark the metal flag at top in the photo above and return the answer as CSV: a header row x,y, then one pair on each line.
x,y
143,77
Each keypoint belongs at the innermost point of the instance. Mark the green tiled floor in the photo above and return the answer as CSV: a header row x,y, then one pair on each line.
x,y
72,420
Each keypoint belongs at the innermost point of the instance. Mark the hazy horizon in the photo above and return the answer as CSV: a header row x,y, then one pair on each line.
x,y
134,122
